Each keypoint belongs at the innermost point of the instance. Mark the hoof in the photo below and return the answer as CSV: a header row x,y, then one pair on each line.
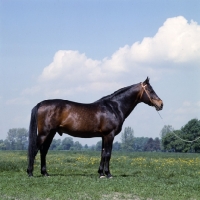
x,y
46,174
30,174
109,176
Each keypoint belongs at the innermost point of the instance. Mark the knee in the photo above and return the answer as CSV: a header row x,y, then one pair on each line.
x,y
107,155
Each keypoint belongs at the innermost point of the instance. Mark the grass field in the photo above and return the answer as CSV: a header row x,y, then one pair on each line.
x,y
74,176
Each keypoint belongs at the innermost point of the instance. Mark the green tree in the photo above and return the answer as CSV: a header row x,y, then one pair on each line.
x,y
152,145
56,144
93,147
17,139
172,143
149,146
191,131
86,146
2,145
139,143
22,138
127,139
77,146
116,146
157,144
98,146
67,143
7,144
166,129
11,139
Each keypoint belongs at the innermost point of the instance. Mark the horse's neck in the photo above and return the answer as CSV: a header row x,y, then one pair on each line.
x,y
128,100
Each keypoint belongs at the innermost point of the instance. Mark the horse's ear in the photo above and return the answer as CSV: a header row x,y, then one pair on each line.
x,y
146,81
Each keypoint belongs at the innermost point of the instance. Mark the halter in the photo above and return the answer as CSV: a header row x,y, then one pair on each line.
x,y
144,89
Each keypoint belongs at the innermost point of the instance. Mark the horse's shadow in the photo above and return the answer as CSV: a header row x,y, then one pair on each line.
x,y
65,175
80,174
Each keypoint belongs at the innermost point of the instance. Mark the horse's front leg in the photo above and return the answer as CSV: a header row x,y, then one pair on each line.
x,y
108,141
101,167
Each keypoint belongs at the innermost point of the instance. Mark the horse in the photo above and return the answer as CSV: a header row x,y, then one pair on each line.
x,y
103,118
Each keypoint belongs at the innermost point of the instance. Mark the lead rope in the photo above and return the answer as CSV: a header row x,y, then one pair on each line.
x,y
190,141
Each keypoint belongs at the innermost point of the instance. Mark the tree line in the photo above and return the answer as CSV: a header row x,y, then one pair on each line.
x,y
17,139
190,132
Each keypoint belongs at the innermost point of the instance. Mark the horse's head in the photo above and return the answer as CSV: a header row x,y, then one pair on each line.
x,y
149,96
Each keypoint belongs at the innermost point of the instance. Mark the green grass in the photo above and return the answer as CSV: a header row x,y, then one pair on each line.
x,y
74,175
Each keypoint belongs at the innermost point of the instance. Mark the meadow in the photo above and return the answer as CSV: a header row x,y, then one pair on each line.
x,y
74,175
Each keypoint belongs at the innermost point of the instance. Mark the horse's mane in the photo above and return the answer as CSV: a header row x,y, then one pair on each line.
x,y
118,92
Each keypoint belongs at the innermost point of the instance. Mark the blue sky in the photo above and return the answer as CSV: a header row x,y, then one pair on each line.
x,y
83,50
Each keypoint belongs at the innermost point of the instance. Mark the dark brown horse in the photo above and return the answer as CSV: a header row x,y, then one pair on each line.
x,y
103,118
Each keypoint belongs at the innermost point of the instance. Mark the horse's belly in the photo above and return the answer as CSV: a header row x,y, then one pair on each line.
x,y
85,135
79,133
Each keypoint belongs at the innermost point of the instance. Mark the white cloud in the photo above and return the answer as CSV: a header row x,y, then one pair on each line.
x,y
68,64
188,108
176,41
18,101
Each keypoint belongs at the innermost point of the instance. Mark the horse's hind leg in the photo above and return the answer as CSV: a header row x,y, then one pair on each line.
x,y
45,142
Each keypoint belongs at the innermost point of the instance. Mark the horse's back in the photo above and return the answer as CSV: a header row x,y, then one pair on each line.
x,y
58,110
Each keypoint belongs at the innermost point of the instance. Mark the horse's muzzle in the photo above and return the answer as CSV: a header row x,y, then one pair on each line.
x,y
158,104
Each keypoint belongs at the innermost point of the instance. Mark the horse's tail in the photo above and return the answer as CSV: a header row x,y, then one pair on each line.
x,y
32,147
